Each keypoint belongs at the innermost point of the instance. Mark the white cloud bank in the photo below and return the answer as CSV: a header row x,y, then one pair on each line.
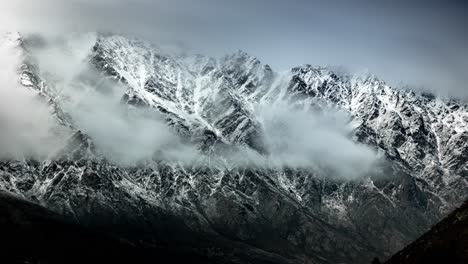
x,y
305,139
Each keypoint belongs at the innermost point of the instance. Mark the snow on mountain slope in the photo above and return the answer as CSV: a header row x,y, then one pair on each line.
x,y
195,106
299,214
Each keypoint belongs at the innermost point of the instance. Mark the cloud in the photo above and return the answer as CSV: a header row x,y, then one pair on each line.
x,y
124,134
27,129
299,138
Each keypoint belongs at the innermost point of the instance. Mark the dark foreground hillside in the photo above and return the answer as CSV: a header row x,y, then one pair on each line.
x,y
446,242
33,234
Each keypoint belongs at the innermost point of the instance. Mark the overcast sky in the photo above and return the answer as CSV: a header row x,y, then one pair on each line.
x,y
414,42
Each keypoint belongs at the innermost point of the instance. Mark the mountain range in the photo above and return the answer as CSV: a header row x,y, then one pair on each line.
x,y
249,165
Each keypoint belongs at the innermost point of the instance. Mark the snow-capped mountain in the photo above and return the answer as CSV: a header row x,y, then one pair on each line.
x,y
262,214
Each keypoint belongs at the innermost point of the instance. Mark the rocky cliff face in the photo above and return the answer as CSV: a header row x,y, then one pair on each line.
x,y
274,214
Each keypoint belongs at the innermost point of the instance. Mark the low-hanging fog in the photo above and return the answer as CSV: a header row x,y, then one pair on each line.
x,y
304,139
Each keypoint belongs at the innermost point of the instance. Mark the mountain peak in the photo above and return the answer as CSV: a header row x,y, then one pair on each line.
x,y
240,57
9,36
10,40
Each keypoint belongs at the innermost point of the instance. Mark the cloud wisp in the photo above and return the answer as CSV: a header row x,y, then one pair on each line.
x,y
27,129
316,141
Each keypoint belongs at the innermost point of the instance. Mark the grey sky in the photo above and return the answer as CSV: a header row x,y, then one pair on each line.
x,y
414,42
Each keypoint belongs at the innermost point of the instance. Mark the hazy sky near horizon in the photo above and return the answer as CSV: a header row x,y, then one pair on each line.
x,y
412,42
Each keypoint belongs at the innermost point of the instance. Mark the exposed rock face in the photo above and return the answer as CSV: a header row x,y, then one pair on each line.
x,y
274,215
